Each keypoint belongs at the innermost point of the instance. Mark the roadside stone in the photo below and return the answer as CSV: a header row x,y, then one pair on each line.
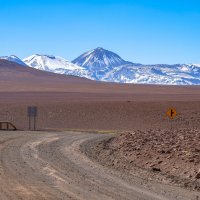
x,y
155,169
159,162
198,175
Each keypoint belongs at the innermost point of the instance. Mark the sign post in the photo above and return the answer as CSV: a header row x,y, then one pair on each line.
x,y
171,113
32,113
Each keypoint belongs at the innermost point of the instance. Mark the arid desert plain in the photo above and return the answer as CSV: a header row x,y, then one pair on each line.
x,y
97,140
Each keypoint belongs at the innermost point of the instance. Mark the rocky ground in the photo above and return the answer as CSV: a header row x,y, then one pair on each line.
x,y
171,156
53,166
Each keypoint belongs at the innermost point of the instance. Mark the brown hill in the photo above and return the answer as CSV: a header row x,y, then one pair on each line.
x,y
14,77
17,78
72,102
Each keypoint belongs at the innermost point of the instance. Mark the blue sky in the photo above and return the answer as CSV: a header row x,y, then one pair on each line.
x,y
145,31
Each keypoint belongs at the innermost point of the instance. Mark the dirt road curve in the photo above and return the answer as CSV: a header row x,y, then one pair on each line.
x,y
51,166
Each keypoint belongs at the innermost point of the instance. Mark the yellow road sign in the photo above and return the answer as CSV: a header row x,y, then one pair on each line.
x,y
171,113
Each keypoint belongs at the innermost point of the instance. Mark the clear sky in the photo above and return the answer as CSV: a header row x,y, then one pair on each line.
x,y
144,31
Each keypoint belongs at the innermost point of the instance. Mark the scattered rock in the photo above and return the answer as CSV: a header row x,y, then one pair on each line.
x,y
159,162
176,152
155,169
198,175
162,151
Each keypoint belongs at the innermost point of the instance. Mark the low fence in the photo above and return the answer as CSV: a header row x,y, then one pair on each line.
x,y
8,126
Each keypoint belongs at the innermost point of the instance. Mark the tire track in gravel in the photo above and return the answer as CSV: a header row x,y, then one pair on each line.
x,y
51,166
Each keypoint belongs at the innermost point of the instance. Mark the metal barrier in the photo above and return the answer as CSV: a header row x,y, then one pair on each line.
x,y
7,126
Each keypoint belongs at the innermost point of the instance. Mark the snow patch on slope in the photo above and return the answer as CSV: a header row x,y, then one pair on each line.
x,y
55,64
155,74
13,58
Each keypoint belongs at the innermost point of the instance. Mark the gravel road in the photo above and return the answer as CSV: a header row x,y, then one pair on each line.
x,y
42,165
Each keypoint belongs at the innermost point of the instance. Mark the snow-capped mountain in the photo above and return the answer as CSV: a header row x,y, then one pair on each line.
x,y
103,65
155,74
55,64
99,62
99,58
108,66
13,58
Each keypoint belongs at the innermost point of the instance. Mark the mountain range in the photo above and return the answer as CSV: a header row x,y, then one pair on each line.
x,y
103,65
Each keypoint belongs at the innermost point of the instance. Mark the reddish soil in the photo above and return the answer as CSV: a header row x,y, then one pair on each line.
x,y
119,116
67,102
77,103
